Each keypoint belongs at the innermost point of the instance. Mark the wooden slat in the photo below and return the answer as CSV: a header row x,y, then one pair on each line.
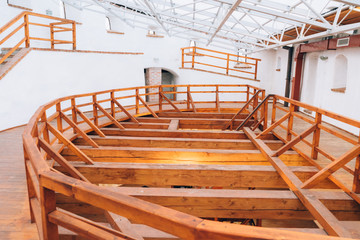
x,y
124,110
170,174
291,143
171,103
78,130
69,144
332,167
274,125
108,115
123,225
62,161
147,106
330,223
84,227
89,122
191,102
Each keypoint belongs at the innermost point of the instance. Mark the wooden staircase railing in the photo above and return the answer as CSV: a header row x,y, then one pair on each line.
x,y
23,21
217,62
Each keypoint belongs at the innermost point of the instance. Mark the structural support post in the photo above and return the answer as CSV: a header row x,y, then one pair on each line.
x,y
295,91
316,137
26,27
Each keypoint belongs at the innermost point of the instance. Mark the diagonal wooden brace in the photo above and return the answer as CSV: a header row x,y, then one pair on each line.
x,y
274,125
108,115
332,167
148,107
171,103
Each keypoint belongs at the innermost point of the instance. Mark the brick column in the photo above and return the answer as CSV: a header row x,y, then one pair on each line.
x,y
153,77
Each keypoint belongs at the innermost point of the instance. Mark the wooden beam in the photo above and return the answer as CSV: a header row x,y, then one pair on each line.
x,y
85,227
164,142
124,110
89,122
200,115
78,130
332,167
171,103
295,140
108,115
142,125
174,125
225,203
196,155
274,125
69,144
327,220
155,174
147,106
191,102
241,110
62,161
122,224
176,134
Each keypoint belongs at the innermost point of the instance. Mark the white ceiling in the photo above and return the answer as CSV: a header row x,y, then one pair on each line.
x,y
247,25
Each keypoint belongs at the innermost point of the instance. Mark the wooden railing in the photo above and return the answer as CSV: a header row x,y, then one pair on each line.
x,y
219,62
24,20
310,149
57,123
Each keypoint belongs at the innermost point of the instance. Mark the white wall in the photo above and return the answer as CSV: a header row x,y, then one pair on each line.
x,y
320,76
44,76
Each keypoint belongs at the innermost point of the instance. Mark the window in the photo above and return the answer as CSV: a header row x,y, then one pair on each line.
x,y
340,74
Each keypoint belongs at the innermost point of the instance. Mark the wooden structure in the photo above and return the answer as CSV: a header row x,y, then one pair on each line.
x,y
217,62
109,165
25,20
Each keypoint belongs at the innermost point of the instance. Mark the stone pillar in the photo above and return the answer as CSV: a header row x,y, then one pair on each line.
x,y
153,77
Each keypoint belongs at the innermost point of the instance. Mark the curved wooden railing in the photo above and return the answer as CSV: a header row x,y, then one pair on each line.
x,y
23,21
56,124
219,62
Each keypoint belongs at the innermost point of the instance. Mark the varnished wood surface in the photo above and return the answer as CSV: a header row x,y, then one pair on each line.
x,y
14,214
14,206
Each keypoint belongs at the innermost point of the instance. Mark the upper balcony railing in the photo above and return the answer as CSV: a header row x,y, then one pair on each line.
x,y
24,20
219,62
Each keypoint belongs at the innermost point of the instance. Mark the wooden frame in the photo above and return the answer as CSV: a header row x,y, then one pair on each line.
x,y
72,143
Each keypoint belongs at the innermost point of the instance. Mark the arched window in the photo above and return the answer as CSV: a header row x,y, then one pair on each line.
x,y
340,74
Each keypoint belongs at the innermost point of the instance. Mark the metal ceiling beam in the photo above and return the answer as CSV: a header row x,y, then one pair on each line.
x,y
111,12
232,9
156,16
350,2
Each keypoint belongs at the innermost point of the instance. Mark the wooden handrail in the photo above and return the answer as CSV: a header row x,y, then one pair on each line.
x,y
47,181
209,55
26,23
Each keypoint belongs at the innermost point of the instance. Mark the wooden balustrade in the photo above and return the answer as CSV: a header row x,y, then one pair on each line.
x,y
26,19
57,123
219,62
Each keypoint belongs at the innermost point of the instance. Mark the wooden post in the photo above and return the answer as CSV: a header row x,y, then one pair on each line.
x,y
356,183
316,136
217,99
52,36
247,93
255,103
266,109
193,58
58,119
188,98
112,96
273,114
160,98
46,130
30,186
227,64
256,67
95,111
182,58
73,112
48,205
74,35
26,27
137,100
290,122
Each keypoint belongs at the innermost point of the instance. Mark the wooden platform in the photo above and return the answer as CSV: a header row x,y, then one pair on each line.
x,y
14,214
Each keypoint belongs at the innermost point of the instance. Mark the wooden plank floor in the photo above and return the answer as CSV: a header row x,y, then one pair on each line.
x,y
14,209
